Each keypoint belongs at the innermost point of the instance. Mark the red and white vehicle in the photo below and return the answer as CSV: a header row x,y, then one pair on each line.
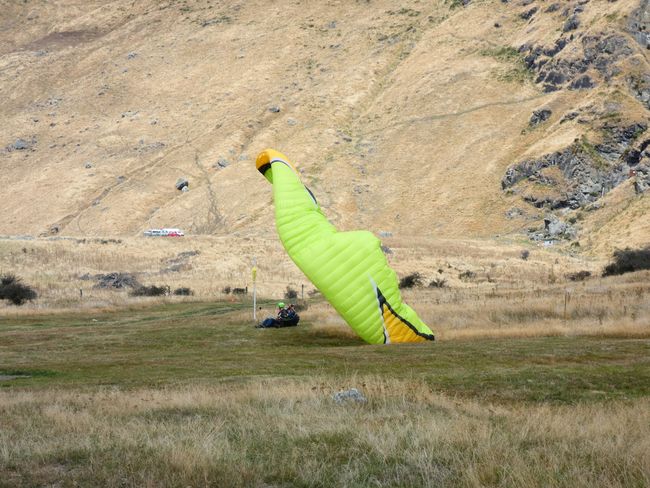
x,y
164,233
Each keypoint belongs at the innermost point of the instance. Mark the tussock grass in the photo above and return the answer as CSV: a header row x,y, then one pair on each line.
x,y
287,432
55,268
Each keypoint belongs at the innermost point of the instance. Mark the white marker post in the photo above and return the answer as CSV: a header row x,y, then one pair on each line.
x,y
254,272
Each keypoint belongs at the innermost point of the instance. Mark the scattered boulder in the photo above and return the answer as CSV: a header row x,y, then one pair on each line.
x,y
21,145
554,230
539,116
556,48
182,183
116,280
554,227
569,116
572,23
514,213
274,109
528,13
349,396
181,262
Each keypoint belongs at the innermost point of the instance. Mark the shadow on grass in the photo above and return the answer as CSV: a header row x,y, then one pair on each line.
x,y
307,335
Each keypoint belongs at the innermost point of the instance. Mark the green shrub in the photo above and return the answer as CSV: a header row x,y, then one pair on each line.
x,y
183,291
628,260
150,291
12,289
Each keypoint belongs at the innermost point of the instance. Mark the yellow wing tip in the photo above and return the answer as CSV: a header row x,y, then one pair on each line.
x,y
264,159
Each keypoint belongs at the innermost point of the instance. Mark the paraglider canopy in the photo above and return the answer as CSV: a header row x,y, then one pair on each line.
x,y
348,268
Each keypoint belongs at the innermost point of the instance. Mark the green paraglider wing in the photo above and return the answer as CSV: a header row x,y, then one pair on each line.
x,y
348,268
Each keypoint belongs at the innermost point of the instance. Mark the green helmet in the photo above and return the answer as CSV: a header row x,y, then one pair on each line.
x,y
281,305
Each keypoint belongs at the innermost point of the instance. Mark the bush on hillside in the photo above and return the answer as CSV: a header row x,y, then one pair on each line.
x,y
411,280
579,275
12,289
290,294
150,291
438,283
467,275
628,260
183,291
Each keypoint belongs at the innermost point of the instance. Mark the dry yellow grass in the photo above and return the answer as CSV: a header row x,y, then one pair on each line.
x,y
55,267
285,431
504,295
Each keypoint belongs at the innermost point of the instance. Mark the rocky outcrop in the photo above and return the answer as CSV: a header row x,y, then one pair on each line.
x,y
539,116
554,229
600,54
640,88
639,24
113,280
588,171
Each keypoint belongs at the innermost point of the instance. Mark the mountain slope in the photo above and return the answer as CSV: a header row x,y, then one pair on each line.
x,y
401,118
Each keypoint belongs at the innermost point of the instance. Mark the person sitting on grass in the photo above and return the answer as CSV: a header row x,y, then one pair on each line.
x,y
286,317
291,316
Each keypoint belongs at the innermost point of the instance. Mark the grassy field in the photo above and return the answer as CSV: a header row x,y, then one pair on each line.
x,y
190,394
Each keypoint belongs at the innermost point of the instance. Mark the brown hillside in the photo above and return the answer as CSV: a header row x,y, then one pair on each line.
x,y
402,118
